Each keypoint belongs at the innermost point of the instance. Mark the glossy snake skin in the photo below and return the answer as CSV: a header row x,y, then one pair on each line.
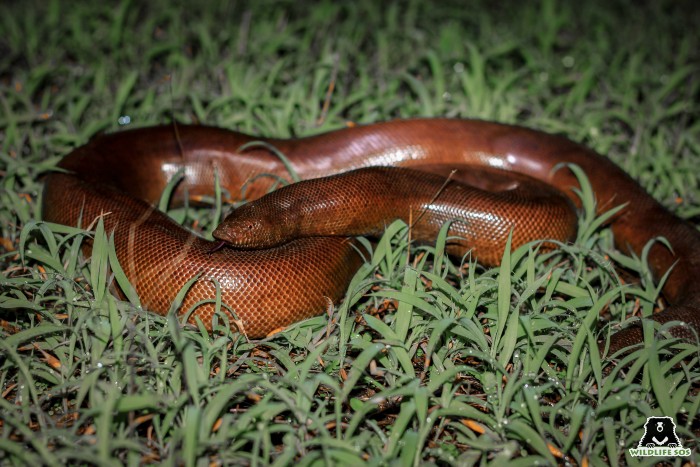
x,y
122,175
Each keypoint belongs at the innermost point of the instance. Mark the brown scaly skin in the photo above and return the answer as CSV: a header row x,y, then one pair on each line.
x,y
124,173
365,201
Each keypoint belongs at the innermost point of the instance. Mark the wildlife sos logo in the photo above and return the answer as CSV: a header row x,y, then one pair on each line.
x,y
659,440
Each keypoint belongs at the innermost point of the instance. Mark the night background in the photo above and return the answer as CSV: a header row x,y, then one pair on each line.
x,y
102,383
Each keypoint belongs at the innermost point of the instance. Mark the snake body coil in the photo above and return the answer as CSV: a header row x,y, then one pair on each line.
x,y
121,176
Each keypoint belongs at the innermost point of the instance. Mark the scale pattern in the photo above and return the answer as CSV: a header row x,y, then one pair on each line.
x,y
121,175
364,201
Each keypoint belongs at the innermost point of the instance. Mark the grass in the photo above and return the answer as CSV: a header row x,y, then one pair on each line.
x,y
402,372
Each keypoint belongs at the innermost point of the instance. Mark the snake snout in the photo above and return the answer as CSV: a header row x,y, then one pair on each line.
x,y
246,228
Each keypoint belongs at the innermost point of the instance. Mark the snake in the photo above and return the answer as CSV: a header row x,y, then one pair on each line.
x,y
489,181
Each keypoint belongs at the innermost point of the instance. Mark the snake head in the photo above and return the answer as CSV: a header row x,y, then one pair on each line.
x,y
252,226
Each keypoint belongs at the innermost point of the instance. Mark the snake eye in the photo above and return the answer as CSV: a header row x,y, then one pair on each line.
x,y
250,226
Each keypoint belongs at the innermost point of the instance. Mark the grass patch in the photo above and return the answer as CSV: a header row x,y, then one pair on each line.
x,y
429,359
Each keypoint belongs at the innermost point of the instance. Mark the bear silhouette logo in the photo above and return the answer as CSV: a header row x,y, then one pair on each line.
x,y
660,432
